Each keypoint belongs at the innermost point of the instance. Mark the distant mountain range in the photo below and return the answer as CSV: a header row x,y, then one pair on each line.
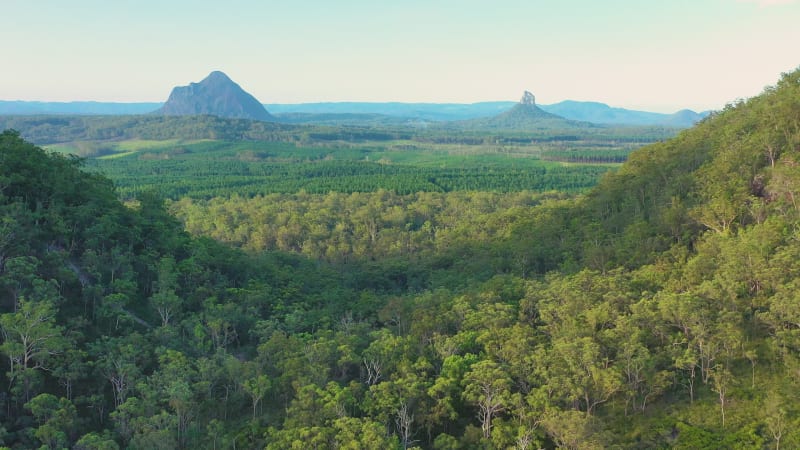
x,y
18,107
603,114
594,112
435,112
218,95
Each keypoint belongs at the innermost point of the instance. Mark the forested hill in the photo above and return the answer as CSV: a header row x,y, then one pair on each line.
x,y
732,171
658,311
49,129
105,308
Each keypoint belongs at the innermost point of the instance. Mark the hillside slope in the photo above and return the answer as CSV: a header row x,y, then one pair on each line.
x,y
50,129
658,311
720,176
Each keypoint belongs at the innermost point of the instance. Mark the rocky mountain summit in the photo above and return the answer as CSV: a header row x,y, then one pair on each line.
x,y
216,95
527,109
526,115
527,99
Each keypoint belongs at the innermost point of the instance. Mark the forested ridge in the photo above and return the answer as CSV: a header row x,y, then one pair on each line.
x,y
659,310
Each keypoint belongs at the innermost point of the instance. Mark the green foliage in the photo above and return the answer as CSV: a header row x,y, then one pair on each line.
x,y
588,155
55,417
93,441
97,134
657,311
219,168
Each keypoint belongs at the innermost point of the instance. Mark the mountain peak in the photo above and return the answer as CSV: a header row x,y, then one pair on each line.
x,y
525,115
216,77
527,99
218,74
216,95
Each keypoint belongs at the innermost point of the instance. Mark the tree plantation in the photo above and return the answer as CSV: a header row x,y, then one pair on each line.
x,y
658,309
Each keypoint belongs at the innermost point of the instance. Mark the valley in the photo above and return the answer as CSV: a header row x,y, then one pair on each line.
x,y
521,280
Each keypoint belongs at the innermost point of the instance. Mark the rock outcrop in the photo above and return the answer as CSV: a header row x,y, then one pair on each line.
x,y
216,95
527,99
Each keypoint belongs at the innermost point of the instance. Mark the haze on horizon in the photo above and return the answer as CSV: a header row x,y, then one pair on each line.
x,y
646,54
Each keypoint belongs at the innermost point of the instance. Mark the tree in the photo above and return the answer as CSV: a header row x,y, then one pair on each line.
x,y
776,417
164,299
642,380
175,385
572,429
56,419
256,388
15,229
488,386
156,432
71,367
118,360
397,400
751,354
723,379
357,434
383,354
94,441
31,338
446,392
581,374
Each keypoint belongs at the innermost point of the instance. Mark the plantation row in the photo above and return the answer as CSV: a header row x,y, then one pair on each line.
x,y
206,178
587,156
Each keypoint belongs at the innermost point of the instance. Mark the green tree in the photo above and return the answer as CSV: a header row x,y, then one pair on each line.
x,y
573,430
355,434
30,338
164,299
94,441
118,360
256,388
487,386
580,373
56,418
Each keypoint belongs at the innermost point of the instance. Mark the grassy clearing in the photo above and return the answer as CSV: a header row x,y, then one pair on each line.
x,y
117,155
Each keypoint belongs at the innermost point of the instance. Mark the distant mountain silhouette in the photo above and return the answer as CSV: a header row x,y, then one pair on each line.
x,y
601,113
18,107
684,118
526,111
417,111
525,115
216,95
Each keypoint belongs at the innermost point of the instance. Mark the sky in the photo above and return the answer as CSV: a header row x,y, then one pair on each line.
x,y
655,55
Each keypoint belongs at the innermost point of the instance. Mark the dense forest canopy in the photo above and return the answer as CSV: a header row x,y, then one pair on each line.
x,y
659,310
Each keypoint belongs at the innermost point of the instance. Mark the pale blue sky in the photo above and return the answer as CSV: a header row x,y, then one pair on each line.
x,y
659,55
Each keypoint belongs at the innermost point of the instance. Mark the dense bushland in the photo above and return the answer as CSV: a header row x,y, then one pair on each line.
x,y
660,310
